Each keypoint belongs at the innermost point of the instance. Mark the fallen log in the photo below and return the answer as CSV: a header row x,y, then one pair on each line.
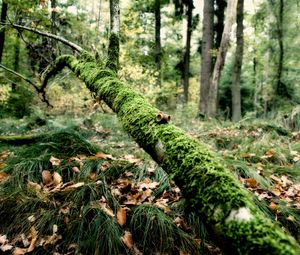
x,y
209,187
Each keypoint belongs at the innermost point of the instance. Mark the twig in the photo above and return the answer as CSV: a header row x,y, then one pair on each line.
x,y
39,90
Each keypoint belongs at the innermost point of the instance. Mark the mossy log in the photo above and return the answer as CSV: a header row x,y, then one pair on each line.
x,y
209,188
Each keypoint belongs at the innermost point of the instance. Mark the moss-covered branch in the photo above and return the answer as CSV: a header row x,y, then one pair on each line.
x,y
208,186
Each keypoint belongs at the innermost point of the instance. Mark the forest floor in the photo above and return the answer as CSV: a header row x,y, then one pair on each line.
x,y
83,186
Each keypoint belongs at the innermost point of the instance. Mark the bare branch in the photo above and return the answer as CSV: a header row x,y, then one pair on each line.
x,y
55,37
38,90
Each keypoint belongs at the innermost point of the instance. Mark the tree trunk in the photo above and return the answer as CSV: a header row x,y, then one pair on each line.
x,y
2,31
186,59
280,87
157,41
213,92
219,25
236,81
206,55
53,26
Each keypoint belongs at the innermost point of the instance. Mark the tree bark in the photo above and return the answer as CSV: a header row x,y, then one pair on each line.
x,y
2,31
206,56
219,25
236,81
157,15
213,92
186,58
54,27
280,87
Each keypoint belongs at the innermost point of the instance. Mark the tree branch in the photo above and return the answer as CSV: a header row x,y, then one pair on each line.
x,y
55,37
38,90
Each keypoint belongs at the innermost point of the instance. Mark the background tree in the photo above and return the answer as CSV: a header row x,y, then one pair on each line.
x,y
206,54
236,80
2,31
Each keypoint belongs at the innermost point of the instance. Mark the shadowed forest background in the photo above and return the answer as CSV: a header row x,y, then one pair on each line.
x,y
76,178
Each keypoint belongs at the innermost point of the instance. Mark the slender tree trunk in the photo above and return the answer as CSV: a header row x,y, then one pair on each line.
x,y
16,62
186,59
2,31
99,14
220,6
213,92
157,41
280,87
53,26
206,56
236,81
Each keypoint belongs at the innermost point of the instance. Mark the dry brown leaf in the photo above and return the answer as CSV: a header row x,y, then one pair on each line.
x,y
275,178
6,247
131,159
57,179
55,161
273,206
3,239
251,182
3,176
276,191
2,165
33,241
102,155
93,176
121,216
73,186
127,239
34,186
151,185
184,253
19,251
46,177
105,208
105,166
75,169
248,155
25,240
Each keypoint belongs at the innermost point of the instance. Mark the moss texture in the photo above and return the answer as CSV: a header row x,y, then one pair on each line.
x,y
209,188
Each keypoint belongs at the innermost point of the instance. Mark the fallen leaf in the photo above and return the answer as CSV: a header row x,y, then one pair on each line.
x,y
57,179
31,218
46,177
248,155
273,206
102,155
127,239
6,247
184,253
105,207
75,169
251,182
3,176
73,186
131,159
93,176
3,239
19,251
121,216
34,186
276,191
34,237
55,161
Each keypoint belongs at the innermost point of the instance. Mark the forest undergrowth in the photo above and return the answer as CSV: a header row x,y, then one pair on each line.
x,y
82,186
